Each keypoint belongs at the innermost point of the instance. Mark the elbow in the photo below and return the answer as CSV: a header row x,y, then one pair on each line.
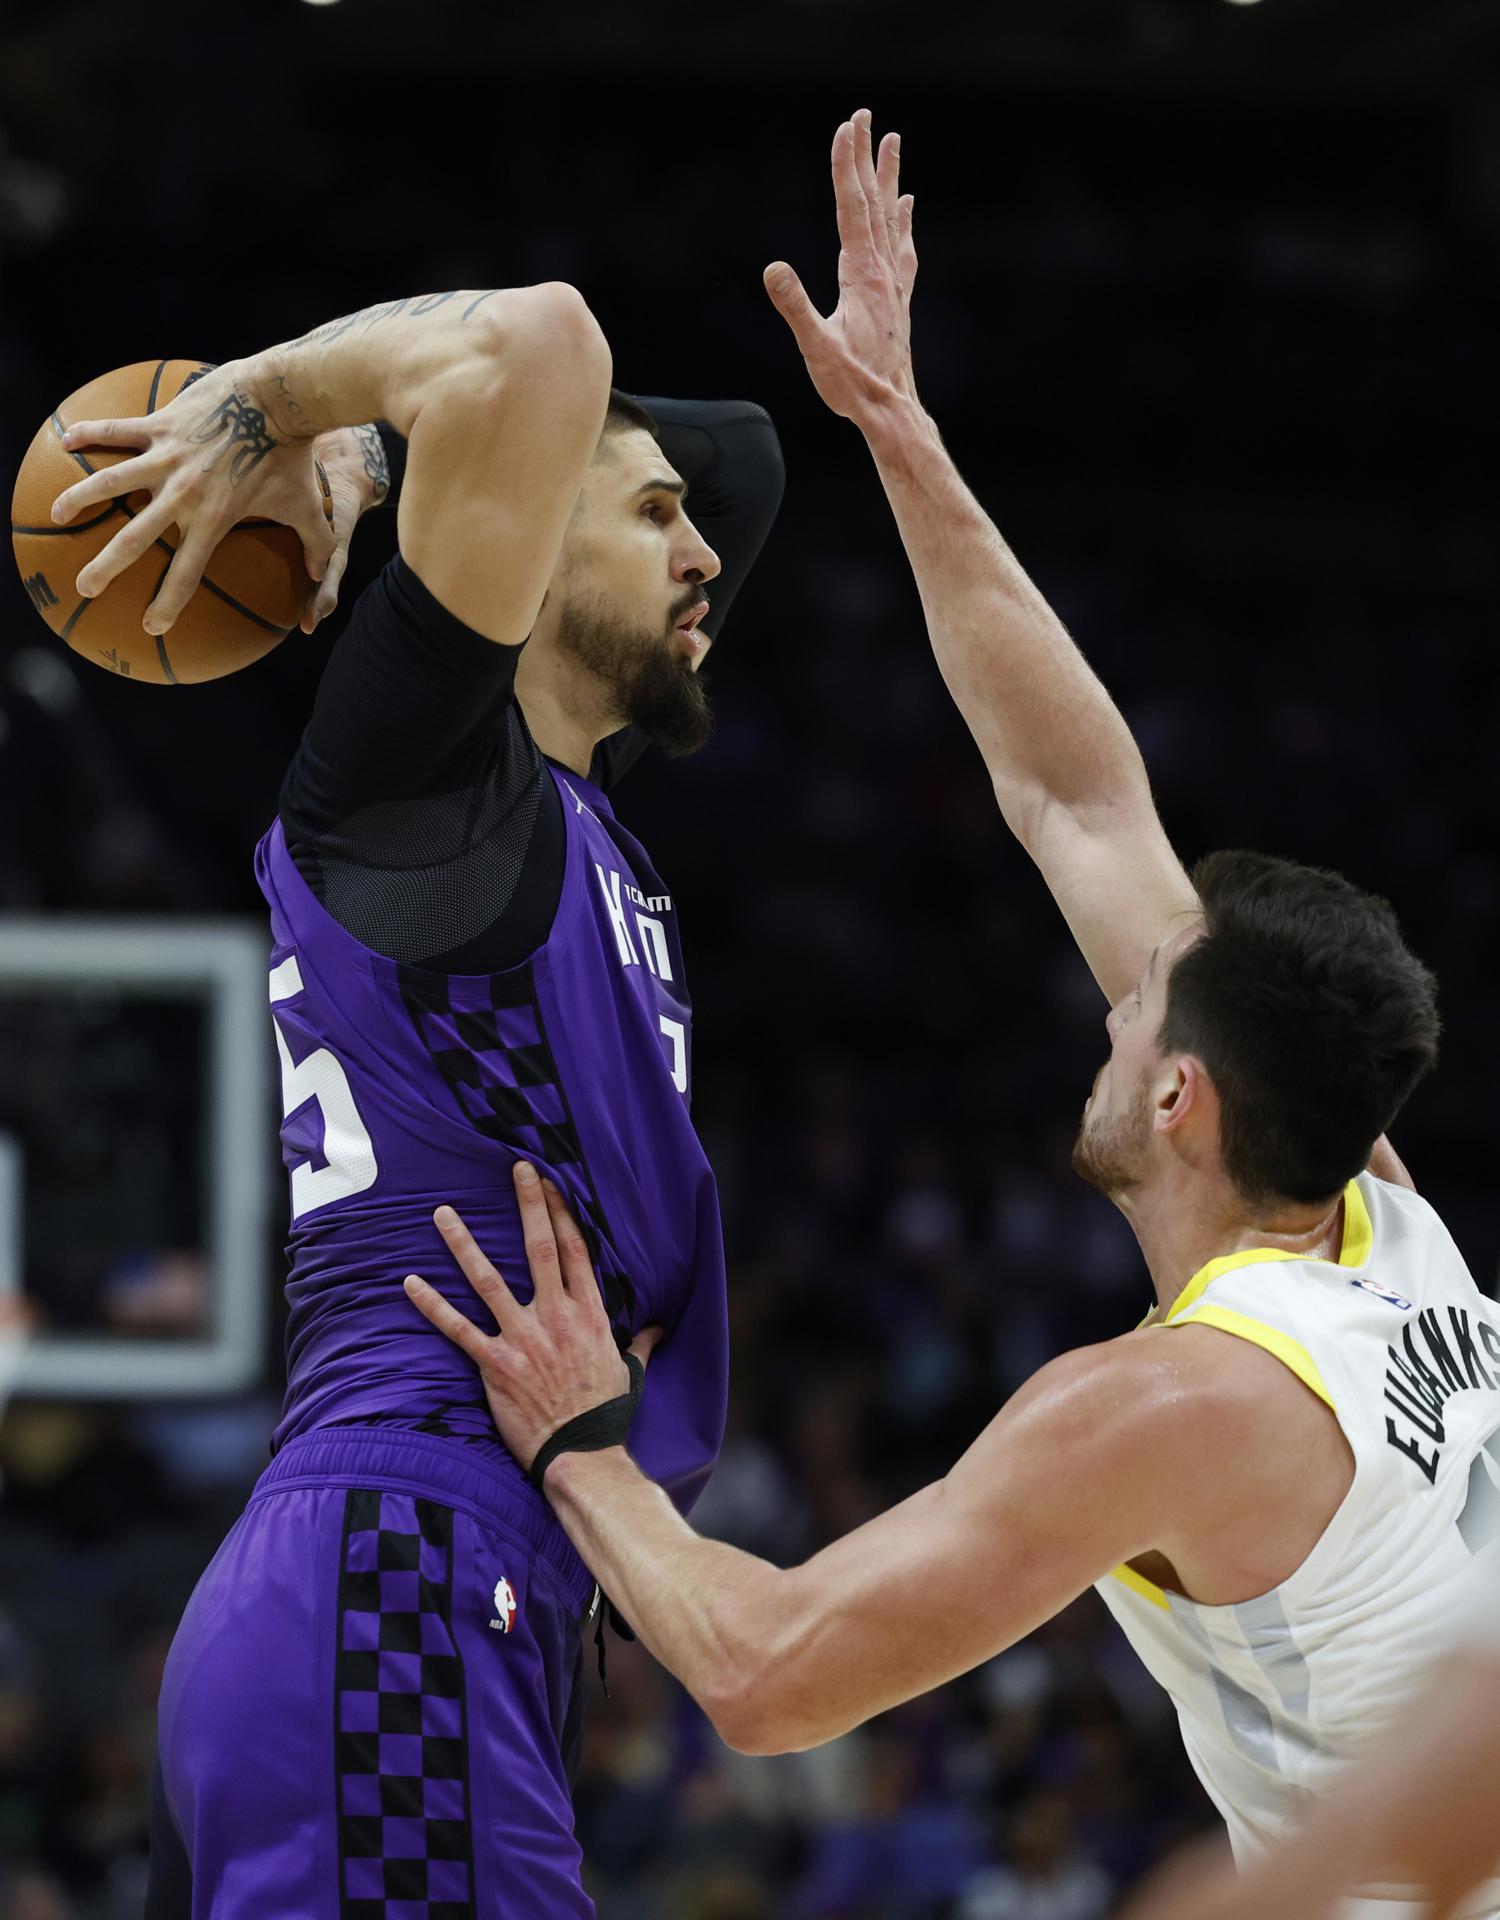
x,y
747,1718
756,1688
759,1707
1036,814
1104,810
550,327
567,324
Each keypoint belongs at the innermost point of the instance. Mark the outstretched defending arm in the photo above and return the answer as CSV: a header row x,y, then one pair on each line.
x,y
1068,776
500,394
1079,1471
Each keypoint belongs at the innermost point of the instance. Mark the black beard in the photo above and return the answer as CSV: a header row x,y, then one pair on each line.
x,y
646,682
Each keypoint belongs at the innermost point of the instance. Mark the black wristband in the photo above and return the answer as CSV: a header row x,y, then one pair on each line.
x,y
603,1426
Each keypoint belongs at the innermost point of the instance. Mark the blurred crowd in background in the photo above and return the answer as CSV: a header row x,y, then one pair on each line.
x,y
1221,360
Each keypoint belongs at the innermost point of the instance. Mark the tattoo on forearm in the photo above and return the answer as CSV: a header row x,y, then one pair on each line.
x,y
415,307
376,465
292,403
250,438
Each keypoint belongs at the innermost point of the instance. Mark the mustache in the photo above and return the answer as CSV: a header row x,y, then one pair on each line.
x,y
694,596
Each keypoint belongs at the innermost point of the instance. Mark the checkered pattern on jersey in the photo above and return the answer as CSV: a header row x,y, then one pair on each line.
x,y
486,1038
405,1849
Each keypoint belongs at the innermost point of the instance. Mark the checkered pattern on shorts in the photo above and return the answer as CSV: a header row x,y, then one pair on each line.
x,y
486,1038
405,1849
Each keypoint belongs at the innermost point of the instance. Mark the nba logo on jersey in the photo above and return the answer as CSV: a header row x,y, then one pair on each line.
x,y
505,1606
1384,1293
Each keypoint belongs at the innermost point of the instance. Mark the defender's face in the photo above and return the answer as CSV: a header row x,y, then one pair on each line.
x,y
1115,1136
634,550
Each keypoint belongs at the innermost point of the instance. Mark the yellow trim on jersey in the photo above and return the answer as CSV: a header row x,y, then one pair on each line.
x,y
1291,1353
1357,1246
1359,1234
1147,1589
1226,1263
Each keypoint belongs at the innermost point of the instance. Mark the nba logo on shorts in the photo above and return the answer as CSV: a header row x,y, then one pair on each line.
x,y
505,1606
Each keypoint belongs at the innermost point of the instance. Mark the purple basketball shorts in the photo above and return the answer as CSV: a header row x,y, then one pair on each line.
x,y
373,1702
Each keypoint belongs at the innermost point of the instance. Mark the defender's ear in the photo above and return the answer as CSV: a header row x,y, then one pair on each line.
x,y
1182,1091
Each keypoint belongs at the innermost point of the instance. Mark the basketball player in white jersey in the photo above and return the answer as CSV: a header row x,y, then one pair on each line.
x,y
1427,1797
1278,1481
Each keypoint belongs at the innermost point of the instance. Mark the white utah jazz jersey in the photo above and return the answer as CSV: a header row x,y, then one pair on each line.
x,y
1275,1694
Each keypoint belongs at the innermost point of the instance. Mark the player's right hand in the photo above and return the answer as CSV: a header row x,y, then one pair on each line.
x,y
554,1357
210,458
859,357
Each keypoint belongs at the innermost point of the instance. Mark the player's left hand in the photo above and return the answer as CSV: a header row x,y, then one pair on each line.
x,y
552,1359
859,357
354,464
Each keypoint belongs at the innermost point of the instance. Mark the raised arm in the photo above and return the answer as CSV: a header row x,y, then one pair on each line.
x,y
1067,774
500,394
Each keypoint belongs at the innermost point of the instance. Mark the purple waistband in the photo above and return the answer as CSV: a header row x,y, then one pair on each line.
x,y
466,1478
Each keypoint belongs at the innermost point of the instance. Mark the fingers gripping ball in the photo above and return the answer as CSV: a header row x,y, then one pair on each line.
x,y
252,593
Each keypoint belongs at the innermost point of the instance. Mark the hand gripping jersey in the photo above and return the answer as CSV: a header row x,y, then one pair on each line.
x,y
1275,1694
404,1088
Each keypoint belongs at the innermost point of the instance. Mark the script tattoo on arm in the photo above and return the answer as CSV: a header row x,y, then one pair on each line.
x,y
372,448
414,306
250,438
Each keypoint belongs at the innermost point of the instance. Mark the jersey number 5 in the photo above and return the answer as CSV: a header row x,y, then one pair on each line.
x,y
347,1147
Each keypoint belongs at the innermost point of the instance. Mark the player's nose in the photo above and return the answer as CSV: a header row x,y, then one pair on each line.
x,y
696,561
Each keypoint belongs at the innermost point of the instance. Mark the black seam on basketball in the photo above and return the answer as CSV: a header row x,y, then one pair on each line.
x,y
161,645
155,384
75,616
80,526
229,600
256,619
59,429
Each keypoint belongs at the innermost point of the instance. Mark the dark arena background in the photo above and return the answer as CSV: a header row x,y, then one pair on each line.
x,y
1207,313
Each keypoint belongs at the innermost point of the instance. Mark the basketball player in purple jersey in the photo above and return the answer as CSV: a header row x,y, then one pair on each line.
x,y
1280,1482
372,1704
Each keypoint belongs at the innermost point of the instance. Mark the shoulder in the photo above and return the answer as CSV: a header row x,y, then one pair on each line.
x,y
1163,1396
1120,1404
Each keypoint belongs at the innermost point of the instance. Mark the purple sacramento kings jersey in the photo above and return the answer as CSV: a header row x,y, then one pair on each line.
x,y
404,1088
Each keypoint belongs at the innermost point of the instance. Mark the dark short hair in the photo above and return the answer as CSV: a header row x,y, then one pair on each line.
x,y
1312,1016
624,412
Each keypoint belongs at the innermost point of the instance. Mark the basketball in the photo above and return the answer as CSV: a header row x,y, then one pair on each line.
x,y
250,597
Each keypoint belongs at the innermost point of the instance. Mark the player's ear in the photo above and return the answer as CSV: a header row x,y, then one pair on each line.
x,y
1180,1092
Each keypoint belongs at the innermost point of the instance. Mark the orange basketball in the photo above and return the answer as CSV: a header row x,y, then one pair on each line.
x,y
250,597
